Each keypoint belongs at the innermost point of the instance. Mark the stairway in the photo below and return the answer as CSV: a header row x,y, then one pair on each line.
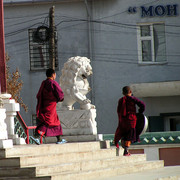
x,y
77,161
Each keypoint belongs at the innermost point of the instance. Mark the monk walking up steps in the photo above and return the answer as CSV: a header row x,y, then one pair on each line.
x,y
49,94
126,110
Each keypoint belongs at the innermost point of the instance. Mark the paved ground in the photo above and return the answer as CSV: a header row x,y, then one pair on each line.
x,y
168,172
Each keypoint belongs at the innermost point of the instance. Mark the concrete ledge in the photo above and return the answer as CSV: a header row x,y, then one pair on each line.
x,y
171,88
155,145
167,152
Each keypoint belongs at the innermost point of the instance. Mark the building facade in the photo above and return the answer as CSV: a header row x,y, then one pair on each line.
x,y
133,43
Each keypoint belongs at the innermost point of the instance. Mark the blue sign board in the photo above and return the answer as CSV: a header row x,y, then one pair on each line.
x,y
169,10
152,11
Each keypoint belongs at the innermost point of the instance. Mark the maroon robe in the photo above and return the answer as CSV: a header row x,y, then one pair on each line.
x,y
127,118
49,94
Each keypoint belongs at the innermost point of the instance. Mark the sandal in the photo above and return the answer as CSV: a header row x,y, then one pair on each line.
x,y
61,142
127,154
36,141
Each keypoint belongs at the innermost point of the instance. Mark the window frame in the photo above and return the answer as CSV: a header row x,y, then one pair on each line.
x,y
148,38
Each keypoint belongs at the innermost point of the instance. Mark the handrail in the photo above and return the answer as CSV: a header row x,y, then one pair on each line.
x,y
24,126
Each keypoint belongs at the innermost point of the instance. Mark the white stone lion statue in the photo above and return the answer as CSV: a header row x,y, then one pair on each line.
x,y
74,83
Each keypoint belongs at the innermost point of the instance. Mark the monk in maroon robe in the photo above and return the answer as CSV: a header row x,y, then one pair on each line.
x,y
49,94
126,130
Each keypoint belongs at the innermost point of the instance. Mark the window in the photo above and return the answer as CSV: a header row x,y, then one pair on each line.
x,y
151,43
39,49
172,123
156,124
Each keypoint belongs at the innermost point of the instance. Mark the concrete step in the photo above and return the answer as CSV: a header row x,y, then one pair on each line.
x,y
42,170
22,150
28,161
108,172
25,178
15,172
102,172
77,161
166,173
88,165
9,162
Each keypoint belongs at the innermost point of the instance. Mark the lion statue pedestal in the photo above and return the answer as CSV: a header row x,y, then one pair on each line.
x,y
77,124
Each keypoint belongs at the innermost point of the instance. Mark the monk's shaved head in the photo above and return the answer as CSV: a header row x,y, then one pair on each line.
x,y
50,72
126,90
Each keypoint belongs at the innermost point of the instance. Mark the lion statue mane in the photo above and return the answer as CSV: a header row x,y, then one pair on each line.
x,y
74,83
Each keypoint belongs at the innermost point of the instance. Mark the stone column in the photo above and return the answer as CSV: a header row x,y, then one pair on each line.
x,y
4,141
11,108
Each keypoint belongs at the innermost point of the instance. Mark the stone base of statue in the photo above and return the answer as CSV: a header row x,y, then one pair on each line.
x,y
79,125
76,138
